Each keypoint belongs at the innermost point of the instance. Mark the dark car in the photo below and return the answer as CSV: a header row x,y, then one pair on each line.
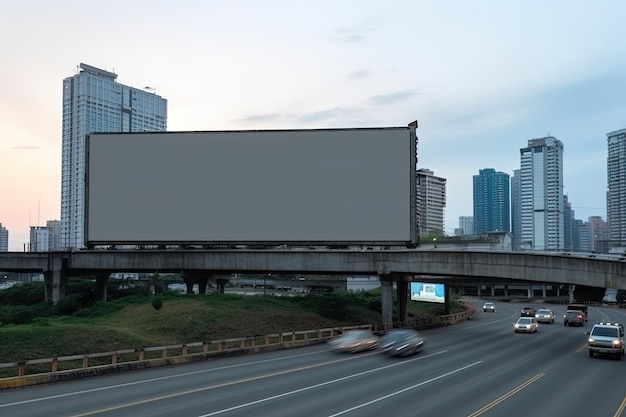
x,y
575,317
528,312
401,342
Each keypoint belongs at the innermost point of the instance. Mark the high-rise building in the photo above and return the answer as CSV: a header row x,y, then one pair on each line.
x,y
4,239
466,225
598,234
568,224
431,201
492,203
94,102
616,194
516,209
54,235
541,186
39,239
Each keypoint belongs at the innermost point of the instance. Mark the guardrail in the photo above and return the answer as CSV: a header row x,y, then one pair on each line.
x,y
38,371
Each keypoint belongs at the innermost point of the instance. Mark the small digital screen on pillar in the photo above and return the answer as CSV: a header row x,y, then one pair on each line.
x,y
425,291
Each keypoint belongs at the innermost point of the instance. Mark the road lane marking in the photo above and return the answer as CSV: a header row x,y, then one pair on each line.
x,y
162,378
384,397
255,378
620,409
505,396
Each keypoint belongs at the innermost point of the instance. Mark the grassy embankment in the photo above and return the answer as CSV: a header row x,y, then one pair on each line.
x,y
133,322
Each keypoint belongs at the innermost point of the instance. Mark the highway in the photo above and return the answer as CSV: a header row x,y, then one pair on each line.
x,y
479,367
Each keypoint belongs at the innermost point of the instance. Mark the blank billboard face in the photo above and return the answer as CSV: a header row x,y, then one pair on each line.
x,y
349,185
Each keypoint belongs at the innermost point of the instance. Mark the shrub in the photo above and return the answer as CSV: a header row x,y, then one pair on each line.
x,y
157,303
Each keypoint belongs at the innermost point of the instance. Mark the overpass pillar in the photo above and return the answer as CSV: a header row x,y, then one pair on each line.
x,y
493,290
571,293
102,280
55,277
506,290
387,300
544,290
402,291
530,291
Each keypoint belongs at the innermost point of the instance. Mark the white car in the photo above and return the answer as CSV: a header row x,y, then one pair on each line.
x,y
526,325
489,307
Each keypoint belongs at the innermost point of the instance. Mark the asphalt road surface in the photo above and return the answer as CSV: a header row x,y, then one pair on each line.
x,y
476,368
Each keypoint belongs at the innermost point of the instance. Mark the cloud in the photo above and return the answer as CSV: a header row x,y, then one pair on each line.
x,y
352,34
336,113
384,99
359,74
260,118
23,148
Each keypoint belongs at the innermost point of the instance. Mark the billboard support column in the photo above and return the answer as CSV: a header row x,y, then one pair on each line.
x,y
387,300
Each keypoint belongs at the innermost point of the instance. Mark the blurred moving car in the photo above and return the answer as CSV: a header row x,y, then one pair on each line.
x,y
402,342
606,338
528,312
354,341
575,317
544,315
526,325
489,307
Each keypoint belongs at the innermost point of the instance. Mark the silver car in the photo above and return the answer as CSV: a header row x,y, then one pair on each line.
x,y
544,315
526,325
354,341
489,307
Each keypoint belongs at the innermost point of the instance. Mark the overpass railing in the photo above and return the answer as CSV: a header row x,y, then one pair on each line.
x,y
38,371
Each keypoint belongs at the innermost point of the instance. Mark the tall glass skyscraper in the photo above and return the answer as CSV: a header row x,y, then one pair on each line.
x,y
616,195
94,102
541,187
492,201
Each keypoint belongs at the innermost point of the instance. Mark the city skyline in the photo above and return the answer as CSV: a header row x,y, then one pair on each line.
x,y
480,82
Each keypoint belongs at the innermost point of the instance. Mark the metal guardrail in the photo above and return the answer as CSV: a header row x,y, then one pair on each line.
x,y
197,350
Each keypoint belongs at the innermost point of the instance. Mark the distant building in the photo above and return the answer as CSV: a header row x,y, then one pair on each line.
x,y
466,226
39,239
598,235
516,209
94,102
492,204
431,202
541,186
616,194
54,235
4,239
568,224
362,283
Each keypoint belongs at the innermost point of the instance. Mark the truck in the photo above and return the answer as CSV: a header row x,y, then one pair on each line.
x,y
321,187
579,307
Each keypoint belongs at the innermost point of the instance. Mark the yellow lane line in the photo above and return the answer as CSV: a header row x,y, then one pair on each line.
x,y
507,395
620,409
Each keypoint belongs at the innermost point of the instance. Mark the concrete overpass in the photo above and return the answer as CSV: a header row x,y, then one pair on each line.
x,y
400,266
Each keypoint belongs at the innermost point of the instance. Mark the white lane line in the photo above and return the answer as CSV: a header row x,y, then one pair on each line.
x,y
146,381
384,397
334,381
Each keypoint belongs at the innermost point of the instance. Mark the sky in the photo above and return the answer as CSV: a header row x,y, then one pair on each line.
x,y
482,77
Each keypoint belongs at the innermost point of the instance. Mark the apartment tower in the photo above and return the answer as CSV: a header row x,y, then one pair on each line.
x,y
431,201
94,102
616,194
492,203
541,192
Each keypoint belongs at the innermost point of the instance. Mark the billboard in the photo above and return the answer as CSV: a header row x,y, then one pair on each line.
x,y
232,187
426,291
